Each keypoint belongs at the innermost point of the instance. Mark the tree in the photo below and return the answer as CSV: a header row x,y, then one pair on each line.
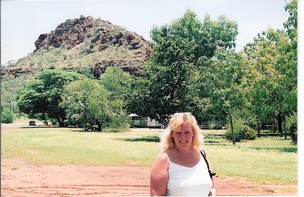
x,y
42,96
271,82
177,52
117,83
9,87
6,116
86,102
219,86
291,24
274,78
291,27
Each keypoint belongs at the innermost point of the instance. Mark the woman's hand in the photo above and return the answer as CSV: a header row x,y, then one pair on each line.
x,y
212,192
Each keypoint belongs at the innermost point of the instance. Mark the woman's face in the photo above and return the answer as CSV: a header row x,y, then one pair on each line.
x,y
183,137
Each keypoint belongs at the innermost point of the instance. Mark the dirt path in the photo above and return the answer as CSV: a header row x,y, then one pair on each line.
x,y
22,178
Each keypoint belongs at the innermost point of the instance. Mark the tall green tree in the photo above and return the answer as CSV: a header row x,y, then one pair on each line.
x,y
291,27
218,86
117,83
273,89
10,85
271,71
42,96
292,23
178,50
86,103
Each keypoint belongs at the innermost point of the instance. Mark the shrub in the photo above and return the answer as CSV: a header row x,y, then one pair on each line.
x,y
229,136
82,17
117,121
242,130
130,47
89,34
95,38
32,63
6,116
92,46
86,50
98,29
249,134
246,133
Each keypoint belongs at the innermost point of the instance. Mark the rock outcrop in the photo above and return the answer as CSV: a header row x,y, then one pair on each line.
x,y
82,43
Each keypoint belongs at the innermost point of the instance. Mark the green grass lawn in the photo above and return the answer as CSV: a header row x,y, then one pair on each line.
x,y
71,146
269,160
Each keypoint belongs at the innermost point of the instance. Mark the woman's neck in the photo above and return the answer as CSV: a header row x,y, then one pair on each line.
x,y
183,151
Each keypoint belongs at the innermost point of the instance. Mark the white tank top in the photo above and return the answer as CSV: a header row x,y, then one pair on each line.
x,y
186,181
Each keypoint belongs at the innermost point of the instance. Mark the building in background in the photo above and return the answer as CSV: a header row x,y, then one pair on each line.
x,y
143,122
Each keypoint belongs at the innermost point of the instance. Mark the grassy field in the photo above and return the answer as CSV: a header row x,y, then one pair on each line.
x,y
269,160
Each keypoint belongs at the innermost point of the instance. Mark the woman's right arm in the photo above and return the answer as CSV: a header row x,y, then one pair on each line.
x,y
159,176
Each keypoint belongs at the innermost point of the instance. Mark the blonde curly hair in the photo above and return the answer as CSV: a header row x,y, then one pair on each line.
x,y
175,123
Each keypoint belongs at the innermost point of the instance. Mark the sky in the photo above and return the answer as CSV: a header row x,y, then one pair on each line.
x,y
23,21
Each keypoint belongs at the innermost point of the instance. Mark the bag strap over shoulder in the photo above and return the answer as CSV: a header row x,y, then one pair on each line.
x,y
211,174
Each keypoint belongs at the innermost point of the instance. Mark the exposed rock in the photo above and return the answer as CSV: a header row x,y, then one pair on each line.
x,y
70,42
97,70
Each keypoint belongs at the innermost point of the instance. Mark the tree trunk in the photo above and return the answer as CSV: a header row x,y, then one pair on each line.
x,y
45,122
231,126
61,118
61,122
280,119
258,127
99,126
274,126
284,128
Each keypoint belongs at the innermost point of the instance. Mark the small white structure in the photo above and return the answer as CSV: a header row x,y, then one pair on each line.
x,y
143,122
153,123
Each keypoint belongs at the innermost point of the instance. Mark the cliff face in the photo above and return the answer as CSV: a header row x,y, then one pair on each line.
x,y
85,43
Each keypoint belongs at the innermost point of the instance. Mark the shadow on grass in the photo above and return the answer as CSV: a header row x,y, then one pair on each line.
x,y
281,149
214,136
211,142
144,139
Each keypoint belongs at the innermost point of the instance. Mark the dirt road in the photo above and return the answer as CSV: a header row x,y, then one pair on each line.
x,y
22,178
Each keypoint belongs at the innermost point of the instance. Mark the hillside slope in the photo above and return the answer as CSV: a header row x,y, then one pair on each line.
x,y
85,43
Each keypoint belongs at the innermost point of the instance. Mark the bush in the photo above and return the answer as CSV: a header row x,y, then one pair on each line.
x,y
120,122
246,133
98,29
249,134
95,38
86,50
89,35
242,130
6,116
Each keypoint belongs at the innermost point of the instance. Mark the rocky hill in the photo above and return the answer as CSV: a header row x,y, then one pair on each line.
x,y
85,43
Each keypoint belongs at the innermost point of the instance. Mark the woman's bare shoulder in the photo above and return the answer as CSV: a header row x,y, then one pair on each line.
x,y
162,157
161,160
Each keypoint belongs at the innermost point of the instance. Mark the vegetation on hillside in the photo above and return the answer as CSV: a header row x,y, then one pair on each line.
x,y
84,42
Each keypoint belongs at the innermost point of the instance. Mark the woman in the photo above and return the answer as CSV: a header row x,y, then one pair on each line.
x,y
180,170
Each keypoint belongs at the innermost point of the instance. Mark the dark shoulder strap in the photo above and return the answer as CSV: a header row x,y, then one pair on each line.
x,y
205,158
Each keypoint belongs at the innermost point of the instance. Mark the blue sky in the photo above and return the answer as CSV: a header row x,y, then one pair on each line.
x,y
23,21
